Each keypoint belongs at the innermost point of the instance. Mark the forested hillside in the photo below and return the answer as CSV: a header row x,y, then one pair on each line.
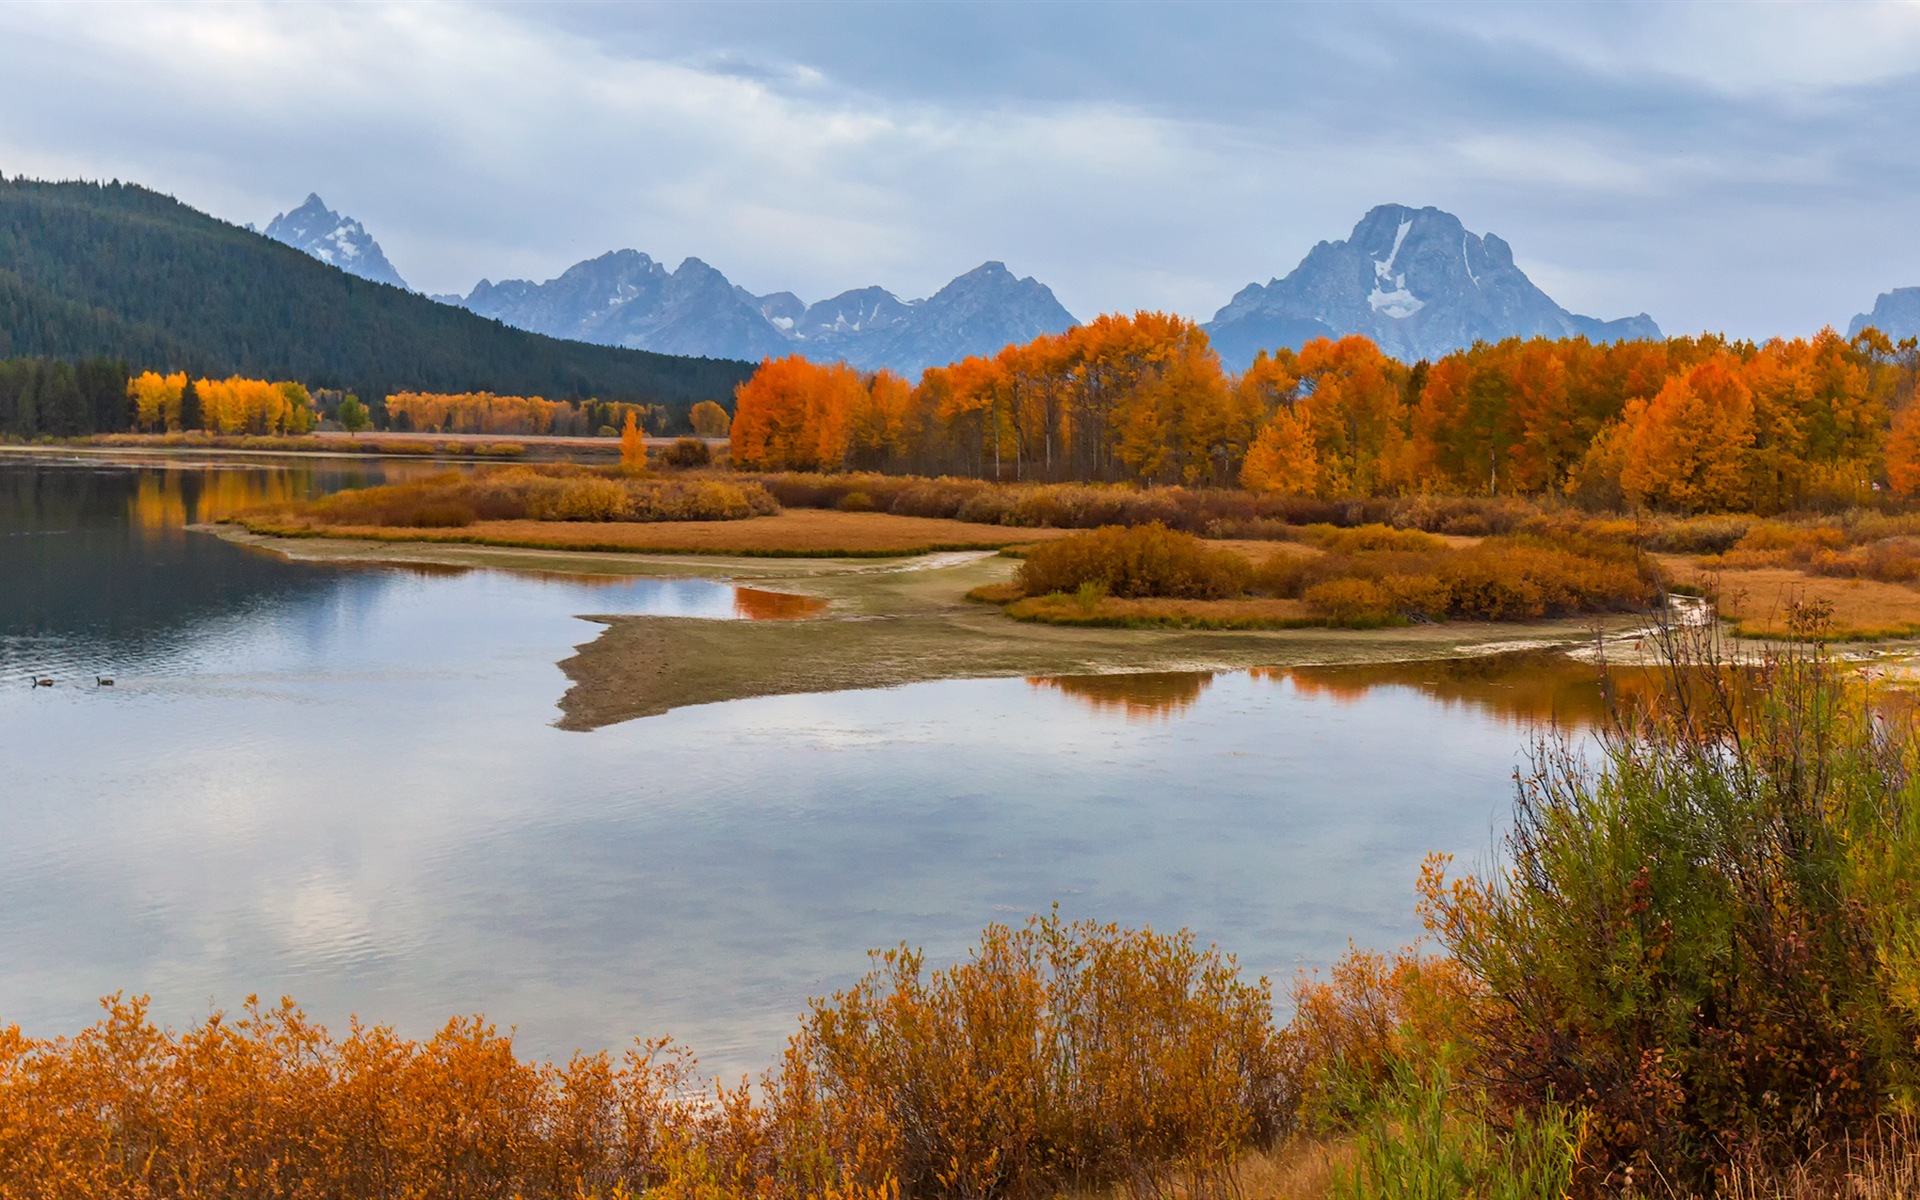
x,y
117,270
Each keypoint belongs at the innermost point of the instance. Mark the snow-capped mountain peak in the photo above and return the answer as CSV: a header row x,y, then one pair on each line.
x,y
1416,282
332,238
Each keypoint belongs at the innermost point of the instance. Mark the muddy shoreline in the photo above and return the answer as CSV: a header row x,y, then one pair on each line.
x,y
893,622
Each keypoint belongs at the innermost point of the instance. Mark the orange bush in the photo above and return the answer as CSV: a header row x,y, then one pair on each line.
x,y
1371,1014
1146,560
1058,1053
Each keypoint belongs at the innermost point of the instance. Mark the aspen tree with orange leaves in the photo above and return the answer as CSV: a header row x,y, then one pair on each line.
x,y
633,445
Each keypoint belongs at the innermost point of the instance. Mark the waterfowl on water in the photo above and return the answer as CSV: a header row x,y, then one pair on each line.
x,y
103,681
39,682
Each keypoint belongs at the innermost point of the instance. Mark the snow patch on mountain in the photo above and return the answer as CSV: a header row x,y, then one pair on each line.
x,y
340,241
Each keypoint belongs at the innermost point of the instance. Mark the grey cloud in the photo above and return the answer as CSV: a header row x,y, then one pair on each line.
x,y
1717,173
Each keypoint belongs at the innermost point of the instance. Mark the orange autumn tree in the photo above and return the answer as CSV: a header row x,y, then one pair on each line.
x,y
1686,449
1903,453
633,445
793,415
1346,413
1283,458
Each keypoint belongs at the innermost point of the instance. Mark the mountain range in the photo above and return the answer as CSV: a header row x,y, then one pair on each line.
x,y
625,298
339,241
1412,279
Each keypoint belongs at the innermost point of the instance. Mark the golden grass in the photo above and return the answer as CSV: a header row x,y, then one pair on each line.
x,y
1115,612
1300,1169
800,533
1754,601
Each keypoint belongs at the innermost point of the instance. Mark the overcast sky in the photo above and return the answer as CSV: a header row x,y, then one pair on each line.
x,y
1740,167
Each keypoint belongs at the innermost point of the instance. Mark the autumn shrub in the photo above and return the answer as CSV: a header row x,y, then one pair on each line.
x,y
1212,512
687,453
1499,579
1703,935
1371,1018
1146,560
1473,516
1520,578
1698,535
1057,1055
549,493
1375,536
1351,601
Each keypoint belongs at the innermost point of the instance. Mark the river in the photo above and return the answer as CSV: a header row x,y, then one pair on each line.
x,y
344,784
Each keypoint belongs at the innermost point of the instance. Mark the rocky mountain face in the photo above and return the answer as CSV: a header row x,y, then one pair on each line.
x,y
332,238
1895,313
627,299
1413,280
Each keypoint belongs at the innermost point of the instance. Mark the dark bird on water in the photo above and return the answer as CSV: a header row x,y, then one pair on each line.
x,y
103,681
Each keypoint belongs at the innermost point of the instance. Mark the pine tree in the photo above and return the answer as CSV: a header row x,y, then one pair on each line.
x,y
191,414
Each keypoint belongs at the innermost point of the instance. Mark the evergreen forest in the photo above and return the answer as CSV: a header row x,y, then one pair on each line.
x,y
119,271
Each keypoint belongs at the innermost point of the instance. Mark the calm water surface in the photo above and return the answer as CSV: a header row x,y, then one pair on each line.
x,y
344,784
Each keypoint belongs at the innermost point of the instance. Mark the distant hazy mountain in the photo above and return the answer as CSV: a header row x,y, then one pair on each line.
x,y
332,238
1895,313
627,299
1413,280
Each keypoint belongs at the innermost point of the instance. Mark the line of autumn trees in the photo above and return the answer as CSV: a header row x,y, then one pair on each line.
x,y
1687,424
49,397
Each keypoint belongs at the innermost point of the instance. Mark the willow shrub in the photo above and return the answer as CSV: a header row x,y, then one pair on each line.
x,y
1498,579
1060,1055
552,493
1142,561
1057,1054
1709,936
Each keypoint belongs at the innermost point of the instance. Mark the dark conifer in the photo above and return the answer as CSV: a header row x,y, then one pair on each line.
x,y
191,415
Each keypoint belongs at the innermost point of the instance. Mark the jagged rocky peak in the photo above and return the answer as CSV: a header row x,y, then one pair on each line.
x,y
332,238
862,310
1895,313
626,298
1417,282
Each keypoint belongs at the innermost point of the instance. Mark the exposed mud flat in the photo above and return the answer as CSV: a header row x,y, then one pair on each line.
x,y
892,622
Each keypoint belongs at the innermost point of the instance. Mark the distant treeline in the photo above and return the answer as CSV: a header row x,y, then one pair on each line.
x,y
115,270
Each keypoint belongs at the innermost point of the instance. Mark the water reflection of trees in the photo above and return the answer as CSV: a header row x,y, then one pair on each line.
x,y
756,605
1140,695
170,498
1536,687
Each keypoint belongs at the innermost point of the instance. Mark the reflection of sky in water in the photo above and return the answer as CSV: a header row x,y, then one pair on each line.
x,y
351,791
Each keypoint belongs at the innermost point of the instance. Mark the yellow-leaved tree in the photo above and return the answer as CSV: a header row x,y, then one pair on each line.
x,y
633,445
1283,457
